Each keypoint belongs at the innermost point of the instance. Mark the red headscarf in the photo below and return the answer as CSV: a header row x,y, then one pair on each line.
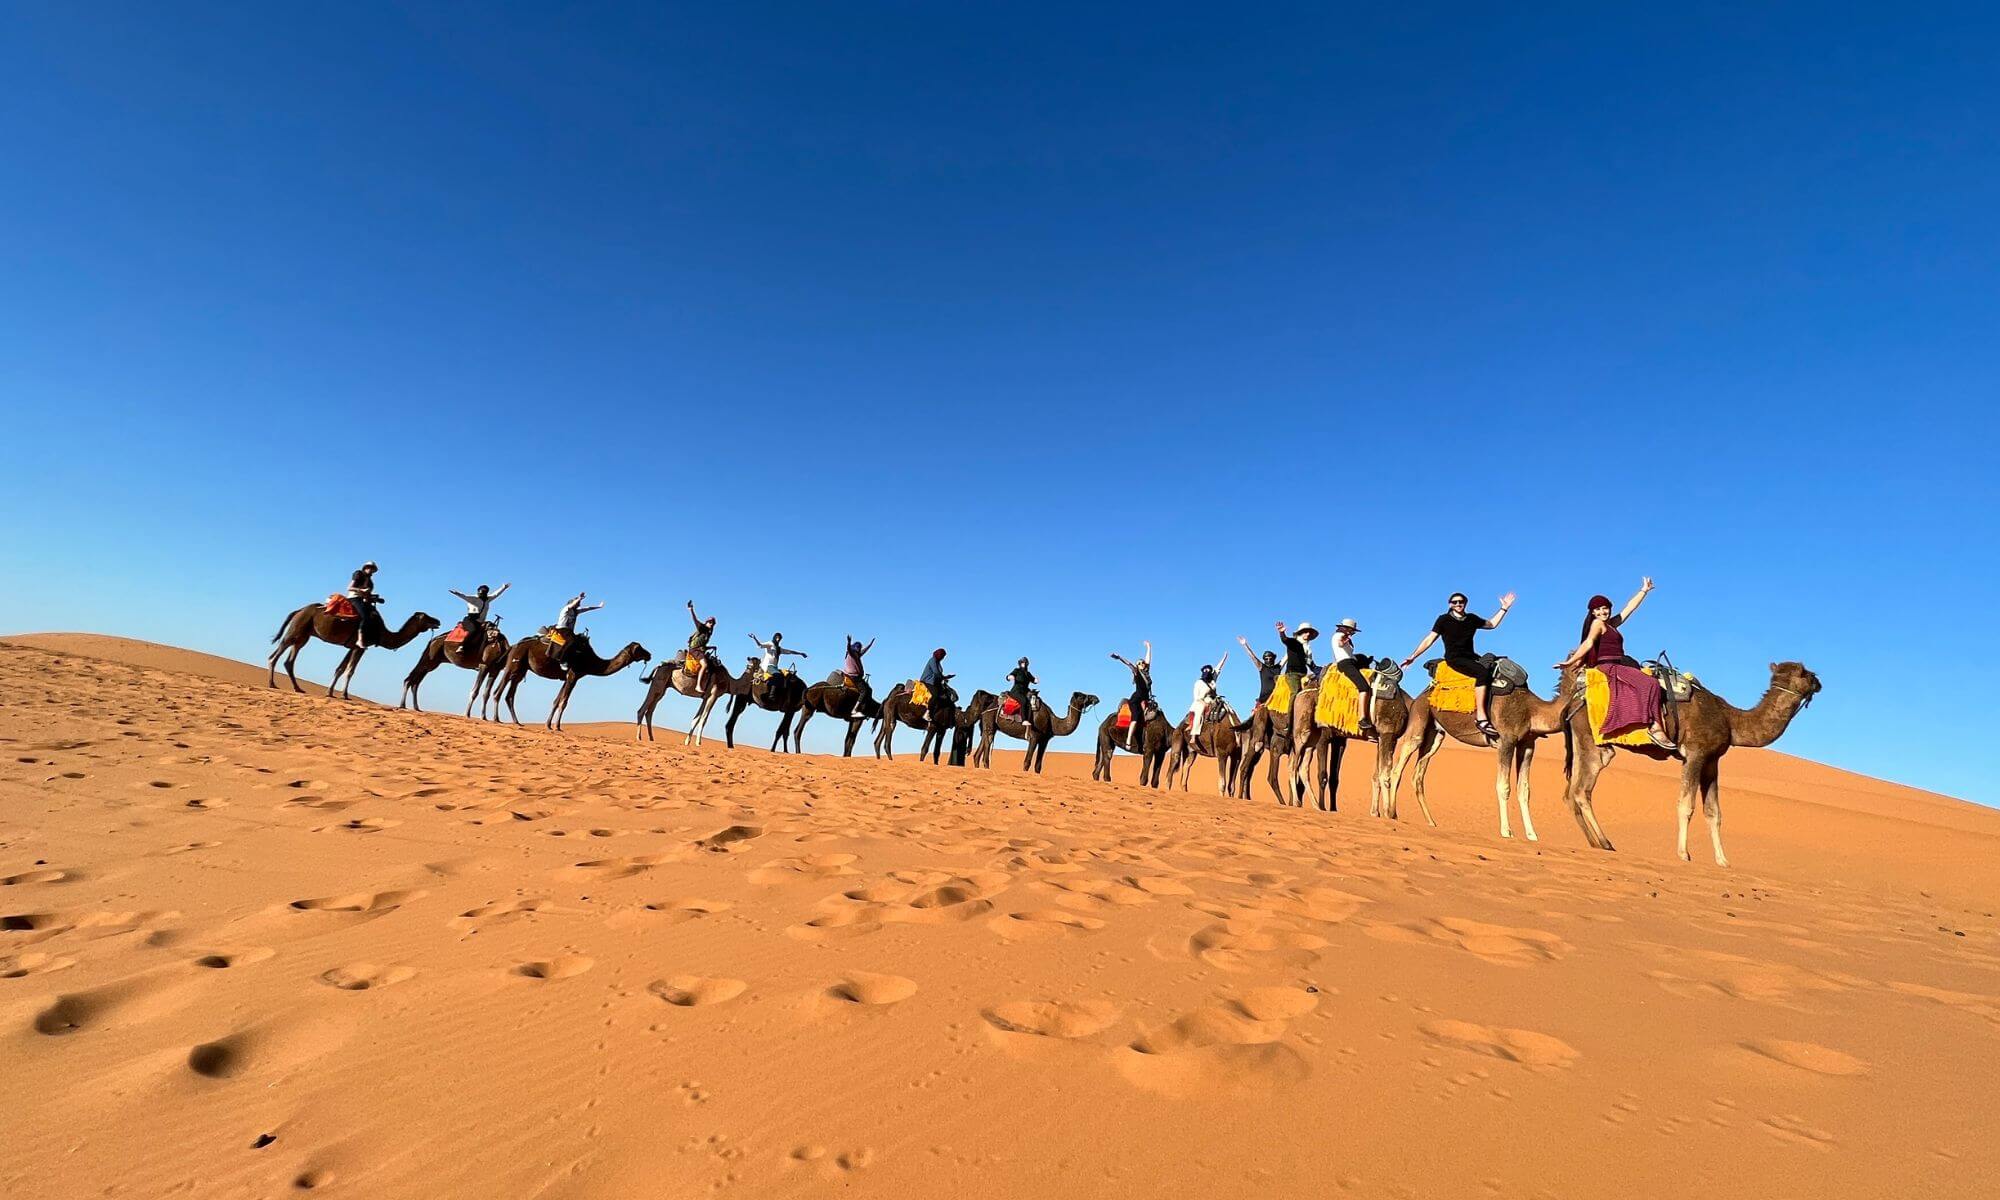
x,y
1596,602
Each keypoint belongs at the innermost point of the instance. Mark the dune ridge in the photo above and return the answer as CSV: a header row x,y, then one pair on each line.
x,y
255,943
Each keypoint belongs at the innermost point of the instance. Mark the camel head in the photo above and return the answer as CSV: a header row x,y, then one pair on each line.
x,y
1082,701
423,622
1794,677
639,653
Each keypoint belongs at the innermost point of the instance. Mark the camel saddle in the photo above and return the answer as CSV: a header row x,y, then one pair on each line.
x,y
1339,705
555,637
340,606
1124,714
459,634
920,693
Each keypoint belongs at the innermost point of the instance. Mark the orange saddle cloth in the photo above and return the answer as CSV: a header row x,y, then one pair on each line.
x,y
338,605
1452,692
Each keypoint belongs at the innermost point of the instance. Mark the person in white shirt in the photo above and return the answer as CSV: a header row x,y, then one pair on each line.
x,y
566,624
774,651
1347,661
1205,693
478,604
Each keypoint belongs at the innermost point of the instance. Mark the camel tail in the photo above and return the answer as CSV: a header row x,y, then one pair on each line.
x,y
282,626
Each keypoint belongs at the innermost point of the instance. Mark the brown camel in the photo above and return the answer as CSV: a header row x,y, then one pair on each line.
x,y
482,653
1218,741
836,699
1522,718
1152,751
313,621
1705,726
937,719
673,674
1047,727
782,693
1265,733
536,655
1324,749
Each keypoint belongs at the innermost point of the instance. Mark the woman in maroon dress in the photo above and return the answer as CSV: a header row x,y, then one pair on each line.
x,y
1635,695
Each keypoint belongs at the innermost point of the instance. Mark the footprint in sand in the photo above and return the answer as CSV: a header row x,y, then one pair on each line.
x,y
617,868
1494,943
1807,1056
676,911
271,1047
126,1002
364,976
1215,1047
30,877
1043,923
1247,943
365,903
1063,1019
19,966
502,911
812,866
563,966
733,840
696,991
872,990
242,956
1523,1046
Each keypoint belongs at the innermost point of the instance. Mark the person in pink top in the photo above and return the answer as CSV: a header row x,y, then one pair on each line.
x,y
1635,695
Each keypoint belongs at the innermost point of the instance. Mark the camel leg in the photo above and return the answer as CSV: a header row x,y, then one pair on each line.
x,y
508,690
1711,806
1589,763
1503,783
799,731
339,668
1335,754
1418,749
1691,771
1302,759
1523,771
553,721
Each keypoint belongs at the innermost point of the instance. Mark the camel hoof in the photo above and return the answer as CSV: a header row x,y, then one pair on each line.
x,y
1531,837
1721,862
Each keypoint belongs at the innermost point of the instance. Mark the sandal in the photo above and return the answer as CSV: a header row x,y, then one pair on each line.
x,y
1486,728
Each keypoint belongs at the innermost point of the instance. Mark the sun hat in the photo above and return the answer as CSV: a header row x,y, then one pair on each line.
x,y
1348,624
1305,630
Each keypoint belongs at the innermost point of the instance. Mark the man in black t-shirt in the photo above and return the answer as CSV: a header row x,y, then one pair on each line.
x,y
1457,629
1022,679
1267,666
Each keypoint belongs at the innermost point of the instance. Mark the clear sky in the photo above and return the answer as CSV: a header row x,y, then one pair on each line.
x,y
1021,329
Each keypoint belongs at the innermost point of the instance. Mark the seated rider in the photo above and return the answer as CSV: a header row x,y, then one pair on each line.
x,y
1205,694
850,666
698,647
1348,662
1298,655
566,625
361,593
1457,628
1603,647
932,676
477,606
1142,689
774,652
1020,680
1267,669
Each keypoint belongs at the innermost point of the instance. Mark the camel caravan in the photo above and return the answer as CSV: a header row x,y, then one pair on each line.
x,y
1297,730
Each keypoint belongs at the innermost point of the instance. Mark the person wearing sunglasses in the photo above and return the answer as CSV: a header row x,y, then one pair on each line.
x,y
1457,629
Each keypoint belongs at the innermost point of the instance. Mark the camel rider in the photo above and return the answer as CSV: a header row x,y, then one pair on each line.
x,y
1142,688
1603,647
1205,694
698,646
1021,681
850,666
774,652
361,593
1348,662
1267,669
477,606
1457,628
1298,654
932,676
566,625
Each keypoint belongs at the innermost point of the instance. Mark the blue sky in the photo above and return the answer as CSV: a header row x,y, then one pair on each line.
x,y
1019,329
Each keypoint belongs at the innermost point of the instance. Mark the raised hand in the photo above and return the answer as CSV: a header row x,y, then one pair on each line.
x,y
1646,584
1507,601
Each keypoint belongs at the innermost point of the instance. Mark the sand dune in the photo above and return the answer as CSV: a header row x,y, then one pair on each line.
x,y
253,943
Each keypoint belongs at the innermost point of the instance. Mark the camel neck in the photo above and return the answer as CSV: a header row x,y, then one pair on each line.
x,y
1766,722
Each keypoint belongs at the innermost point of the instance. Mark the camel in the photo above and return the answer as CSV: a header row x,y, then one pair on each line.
x,y
938,718
781,693
1705,726
483,654
313,621
536,655
1218,740
1046,728
1522,718
674,674
1325,749
836,699
1264,733
1152,751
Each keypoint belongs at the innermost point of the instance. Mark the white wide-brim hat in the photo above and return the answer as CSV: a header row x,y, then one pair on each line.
x,y
1305,630
1348,624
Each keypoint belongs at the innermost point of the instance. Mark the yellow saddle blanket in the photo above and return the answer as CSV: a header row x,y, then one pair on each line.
x,y
1597,701
558,638
920,694
1281,696
1339,707
1451,691
691,662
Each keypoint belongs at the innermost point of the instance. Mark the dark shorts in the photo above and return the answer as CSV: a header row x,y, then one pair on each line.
x,y
1351,667
1477,669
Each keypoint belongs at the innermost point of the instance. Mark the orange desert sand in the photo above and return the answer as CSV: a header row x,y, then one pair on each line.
x,y
257,944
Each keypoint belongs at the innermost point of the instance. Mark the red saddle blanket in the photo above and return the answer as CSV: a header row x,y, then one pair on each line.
x,y
1124,714
1009,706
456,635
338,605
